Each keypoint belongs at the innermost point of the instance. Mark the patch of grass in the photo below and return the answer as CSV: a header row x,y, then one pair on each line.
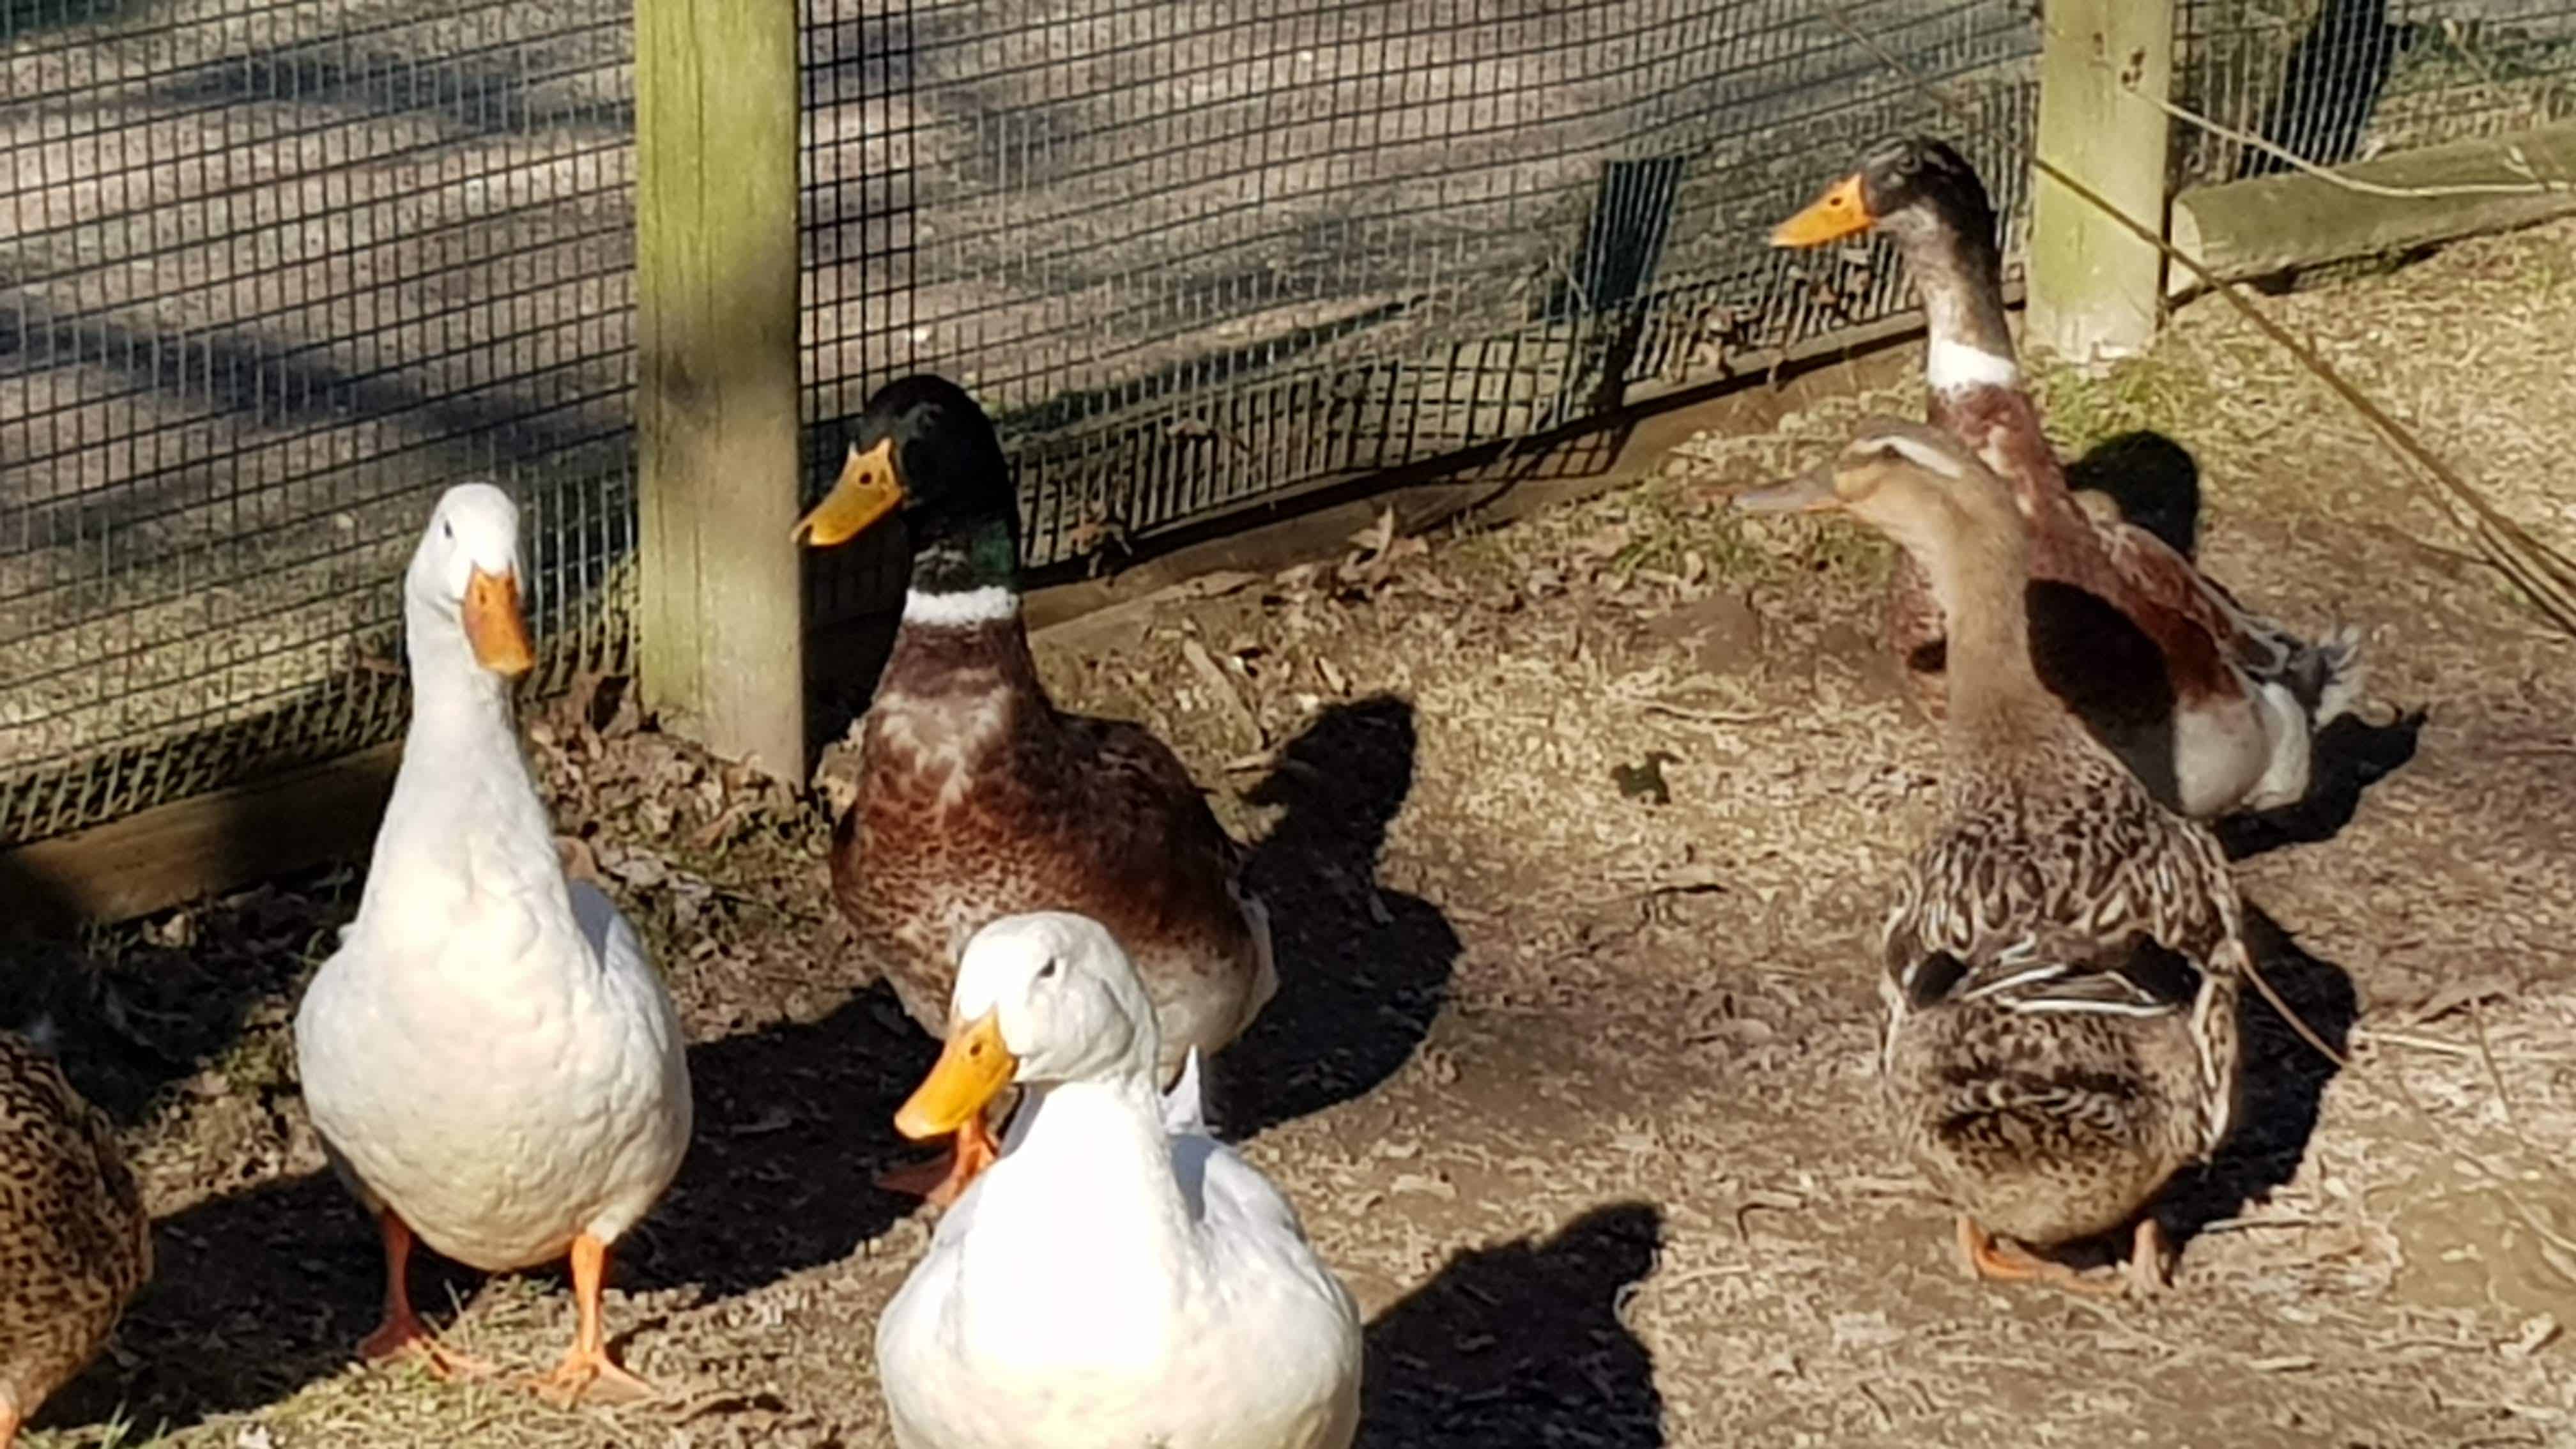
x,y
2162,390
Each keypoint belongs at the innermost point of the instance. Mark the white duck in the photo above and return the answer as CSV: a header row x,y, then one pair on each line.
x,y
1117,1276
489,1057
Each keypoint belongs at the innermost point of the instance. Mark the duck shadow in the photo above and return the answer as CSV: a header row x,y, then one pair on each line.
x,y
1521,1345
258,1293
2152,480
2350,755
2282,1081
1362,969
793,1124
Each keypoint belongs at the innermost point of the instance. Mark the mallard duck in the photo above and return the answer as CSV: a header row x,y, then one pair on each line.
x,y
2214,707
75,1242
977,797
490,1059
2064,955
1118,1276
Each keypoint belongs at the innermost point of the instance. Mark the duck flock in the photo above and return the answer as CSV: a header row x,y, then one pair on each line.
x,y
496,1070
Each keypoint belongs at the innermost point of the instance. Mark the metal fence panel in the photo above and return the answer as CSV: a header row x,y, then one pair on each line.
x,y
2342,80
1200,255
270,275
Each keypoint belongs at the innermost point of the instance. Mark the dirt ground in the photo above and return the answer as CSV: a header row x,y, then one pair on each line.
x,y
1577,829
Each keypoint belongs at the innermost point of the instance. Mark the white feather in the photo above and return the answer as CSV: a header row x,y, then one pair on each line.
x,y
1955,366
988,605
1185,1106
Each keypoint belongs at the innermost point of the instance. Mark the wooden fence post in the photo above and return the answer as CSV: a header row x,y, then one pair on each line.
x,y
720,634
2094,287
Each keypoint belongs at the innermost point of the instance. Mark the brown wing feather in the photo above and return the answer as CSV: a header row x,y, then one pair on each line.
x,y
2115,559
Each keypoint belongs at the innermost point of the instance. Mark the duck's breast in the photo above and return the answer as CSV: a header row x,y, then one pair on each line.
x,y
503,1089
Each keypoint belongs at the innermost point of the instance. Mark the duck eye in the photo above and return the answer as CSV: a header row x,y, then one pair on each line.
x,y
1047,972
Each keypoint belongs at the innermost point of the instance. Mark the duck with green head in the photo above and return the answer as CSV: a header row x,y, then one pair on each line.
x,y
977,798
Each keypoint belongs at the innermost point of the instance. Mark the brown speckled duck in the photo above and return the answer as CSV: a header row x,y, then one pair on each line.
x,y
75,1242
2063,956
2213,706
977,798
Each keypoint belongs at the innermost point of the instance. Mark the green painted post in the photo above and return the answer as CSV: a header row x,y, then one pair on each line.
x,y
720,635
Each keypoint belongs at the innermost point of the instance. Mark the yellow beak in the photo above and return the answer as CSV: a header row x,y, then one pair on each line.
x,y
1839,213
494,625
971,1071
866,491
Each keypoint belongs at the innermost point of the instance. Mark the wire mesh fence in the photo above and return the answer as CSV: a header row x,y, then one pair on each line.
x,y
270,274
2333,81
1200,256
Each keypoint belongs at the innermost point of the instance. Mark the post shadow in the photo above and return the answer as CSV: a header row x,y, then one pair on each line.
x,y
1520,1346
1362,969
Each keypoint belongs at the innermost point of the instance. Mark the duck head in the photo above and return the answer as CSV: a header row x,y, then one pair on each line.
x,y
466,572
1928,200
1914,188
925,450
1041,999
1916,484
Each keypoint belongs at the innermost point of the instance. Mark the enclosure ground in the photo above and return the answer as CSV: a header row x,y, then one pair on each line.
x,y
1578,830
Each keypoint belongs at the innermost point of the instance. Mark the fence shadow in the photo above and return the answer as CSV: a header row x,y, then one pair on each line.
x,y
1362,969
2330,83
1521,1347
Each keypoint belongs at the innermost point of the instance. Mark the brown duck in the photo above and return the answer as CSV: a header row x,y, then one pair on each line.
x,y
977,798
2063,957
2213,706
75,1242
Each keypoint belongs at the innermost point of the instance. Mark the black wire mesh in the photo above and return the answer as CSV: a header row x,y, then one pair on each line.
x,y
270,275
2333,81
1201,256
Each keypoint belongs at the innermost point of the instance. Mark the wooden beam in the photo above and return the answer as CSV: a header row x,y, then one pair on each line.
x,y
2095,287
2270,224
719,637
217,841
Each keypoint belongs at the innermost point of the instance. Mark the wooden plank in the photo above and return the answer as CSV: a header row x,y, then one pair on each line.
x,y
218,841
2095,287
2270,224
719,638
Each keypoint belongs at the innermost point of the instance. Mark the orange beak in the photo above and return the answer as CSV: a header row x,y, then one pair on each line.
x,y
1840,212
971,1071
866,491
495,627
